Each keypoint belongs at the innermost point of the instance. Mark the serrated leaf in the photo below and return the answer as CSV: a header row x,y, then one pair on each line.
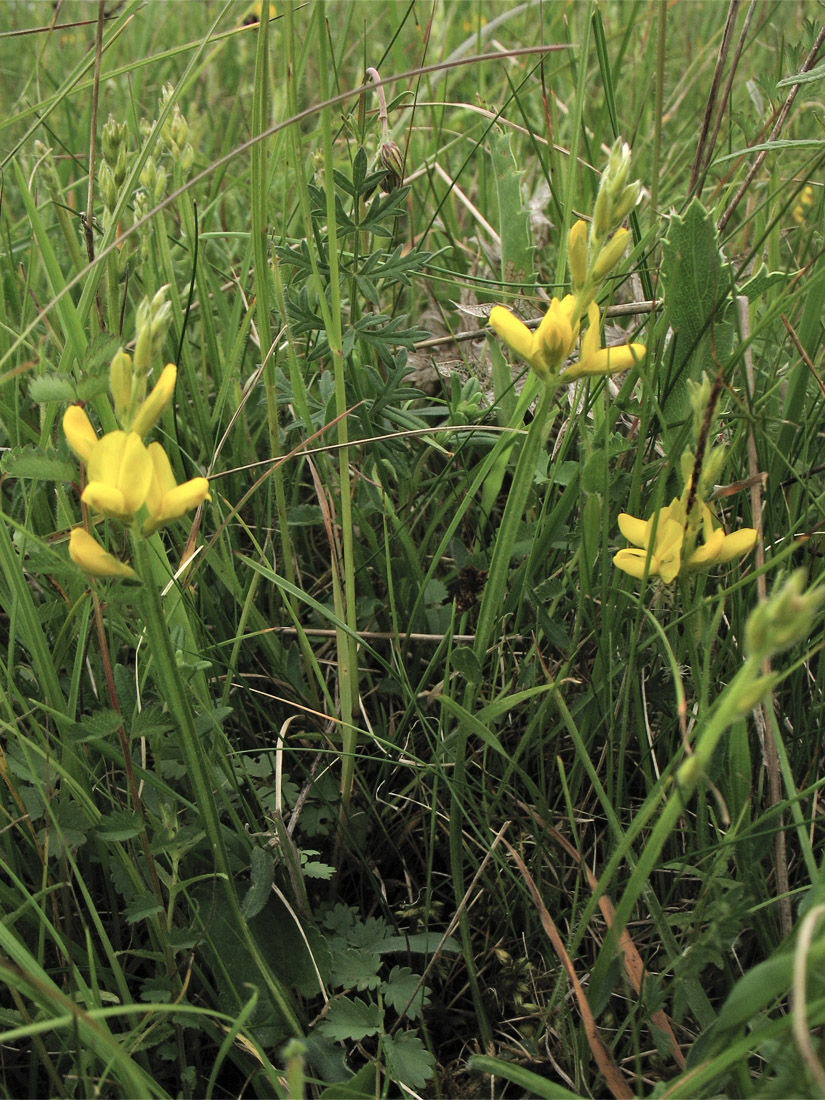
x,y
150,722
31,462
143,906
421,943
403,989
262,873
407,1059
354,967
359,1087
350,1019
697,295
314,869
103,723
118,826
517,250
52,387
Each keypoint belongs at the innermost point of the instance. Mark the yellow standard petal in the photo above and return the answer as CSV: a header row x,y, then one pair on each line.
x,y
80,435
90,556
150,411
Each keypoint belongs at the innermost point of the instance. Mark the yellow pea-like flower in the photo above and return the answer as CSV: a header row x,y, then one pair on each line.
x,y
166,500
119,472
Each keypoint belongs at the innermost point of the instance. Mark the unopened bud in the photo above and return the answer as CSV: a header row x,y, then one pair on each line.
x,y
113,140
107,185
187,158
577,254
120,382
392,159
610,255
152,324
785,618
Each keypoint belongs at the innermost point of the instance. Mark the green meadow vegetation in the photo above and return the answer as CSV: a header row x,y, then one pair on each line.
x,y
412,495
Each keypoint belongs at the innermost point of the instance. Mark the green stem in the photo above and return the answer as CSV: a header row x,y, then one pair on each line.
x,y
174,692
489,620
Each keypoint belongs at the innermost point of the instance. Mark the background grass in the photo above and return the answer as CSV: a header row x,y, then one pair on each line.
x,y
421,756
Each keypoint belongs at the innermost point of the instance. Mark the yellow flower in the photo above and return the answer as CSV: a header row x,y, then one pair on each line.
x,y
150,411
803,204
80,435
166,500
119,472
597,360
92,558
666,553
547,348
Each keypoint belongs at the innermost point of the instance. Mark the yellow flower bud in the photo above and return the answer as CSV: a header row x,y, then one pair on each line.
x,y
577,254
120,382
90,556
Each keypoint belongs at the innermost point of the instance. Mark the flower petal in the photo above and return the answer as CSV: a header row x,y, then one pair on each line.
x,y
87,553
515,334
737,544
150,411
634,562
80,435
634,530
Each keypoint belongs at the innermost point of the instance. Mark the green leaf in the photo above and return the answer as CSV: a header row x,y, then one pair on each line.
x,y
359,1087
530,1083
143,906
103,723
350,1019
697,297
403,988
32,462
52,387
465,661
517,251
262,870
407,1059
120,825
422,943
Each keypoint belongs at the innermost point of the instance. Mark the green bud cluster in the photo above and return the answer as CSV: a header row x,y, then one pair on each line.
x,y
785,618
153,319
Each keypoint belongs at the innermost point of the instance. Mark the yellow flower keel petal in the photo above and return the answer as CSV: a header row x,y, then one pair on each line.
x,y
90,556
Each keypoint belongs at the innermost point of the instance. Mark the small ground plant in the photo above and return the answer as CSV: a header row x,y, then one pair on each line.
x,y
410,550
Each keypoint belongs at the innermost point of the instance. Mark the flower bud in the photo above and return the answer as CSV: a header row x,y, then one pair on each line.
x,y
577,254
113,140
153,319
392,159
610,255
108,187
120,382
785,618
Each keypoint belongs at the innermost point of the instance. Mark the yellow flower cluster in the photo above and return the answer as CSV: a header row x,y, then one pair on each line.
x,y
123,476
664,545
591,257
